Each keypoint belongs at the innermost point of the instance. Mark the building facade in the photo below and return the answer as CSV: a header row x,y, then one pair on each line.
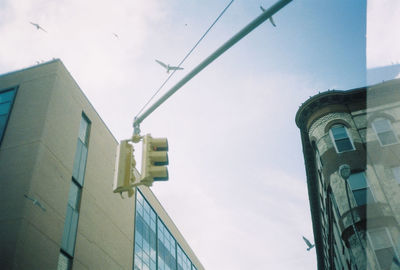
x,y
355,216
57,209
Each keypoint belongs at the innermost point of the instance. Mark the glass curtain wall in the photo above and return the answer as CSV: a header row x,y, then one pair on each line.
x,y
155,247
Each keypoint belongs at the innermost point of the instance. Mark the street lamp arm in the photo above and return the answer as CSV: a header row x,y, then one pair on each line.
x,y
233,40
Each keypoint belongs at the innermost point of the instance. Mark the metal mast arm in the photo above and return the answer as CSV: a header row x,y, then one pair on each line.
x,y
247,29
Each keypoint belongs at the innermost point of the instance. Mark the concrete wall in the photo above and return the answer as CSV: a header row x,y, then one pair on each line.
x,y
36,159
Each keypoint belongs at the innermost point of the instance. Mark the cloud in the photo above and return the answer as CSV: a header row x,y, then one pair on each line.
x,y
383,40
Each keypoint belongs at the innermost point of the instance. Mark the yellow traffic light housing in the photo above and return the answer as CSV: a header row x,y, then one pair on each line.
x,y
154,160
124,177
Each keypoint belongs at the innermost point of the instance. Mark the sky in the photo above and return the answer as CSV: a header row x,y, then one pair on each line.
x,y
237,188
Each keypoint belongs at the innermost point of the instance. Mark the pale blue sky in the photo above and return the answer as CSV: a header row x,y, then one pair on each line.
x,y
237,188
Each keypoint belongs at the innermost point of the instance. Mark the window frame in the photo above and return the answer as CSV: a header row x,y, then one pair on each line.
x,y
372,243
368,187
8,114
378,134
396,175
348,137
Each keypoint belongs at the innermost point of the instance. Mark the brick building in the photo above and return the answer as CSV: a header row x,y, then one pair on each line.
x,y
355,217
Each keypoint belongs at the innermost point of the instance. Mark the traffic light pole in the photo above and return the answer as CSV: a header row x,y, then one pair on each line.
x,y
247,29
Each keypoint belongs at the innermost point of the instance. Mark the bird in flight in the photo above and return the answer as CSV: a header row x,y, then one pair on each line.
x,y
270,18
115,35
168,67
38,27
310,246
35,202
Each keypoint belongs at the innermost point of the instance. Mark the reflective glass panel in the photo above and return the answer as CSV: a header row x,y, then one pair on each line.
x,y
341,138
64,263
84,130
383,130
5,107
6,100
145,235
357,181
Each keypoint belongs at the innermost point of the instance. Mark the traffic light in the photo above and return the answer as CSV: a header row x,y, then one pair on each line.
x,y
154,160
124,176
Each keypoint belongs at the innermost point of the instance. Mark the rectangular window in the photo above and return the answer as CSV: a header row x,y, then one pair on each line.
x,y
145,235
183,260
71,219
384,132
396,174
341,139
359,186
78,172
382,244
155,248
6,102
75,191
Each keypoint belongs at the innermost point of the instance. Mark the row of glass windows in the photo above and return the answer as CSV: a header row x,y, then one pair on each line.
x,y
155,248
381,126
379,239
74,197
6,101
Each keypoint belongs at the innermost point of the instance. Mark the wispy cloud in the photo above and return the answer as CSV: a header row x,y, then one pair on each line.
x,y
383,40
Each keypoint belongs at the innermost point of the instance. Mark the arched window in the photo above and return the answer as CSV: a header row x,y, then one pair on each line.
x,y
384,131
341,138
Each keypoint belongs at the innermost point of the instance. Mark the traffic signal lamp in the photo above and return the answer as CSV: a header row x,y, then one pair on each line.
x,y
154,160
124,176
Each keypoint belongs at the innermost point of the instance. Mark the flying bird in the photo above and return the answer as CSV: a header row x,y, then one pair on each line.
x,y
310,246
270,18
35,202
168,67
115,35
38,27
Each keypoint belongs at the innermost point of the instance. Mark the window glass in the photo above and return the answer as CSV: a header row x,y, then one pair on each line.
x,y
381,243
84,130
6,100
183,261
78,172
70,229
7,96
383,130
396,174
145,235
74,196
155,248
359,186
4,108
64,263
3,120
341,138
357,181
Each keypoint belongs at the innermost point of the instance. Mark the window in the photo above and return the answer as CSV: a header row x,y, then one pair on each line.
x,y
145,235
382,245
74,195
341,138
81,151
64,262
71,219
396,174
359,186
155,247
183,260
6,101
384,132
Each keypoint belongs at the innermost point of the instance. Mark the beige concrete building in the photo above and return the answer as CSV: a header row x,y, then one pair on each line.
x,y
57,208
355,216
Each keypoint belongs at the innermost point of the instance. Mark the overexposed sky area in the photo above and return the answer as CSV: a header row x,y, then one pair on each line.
x,y
237,188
